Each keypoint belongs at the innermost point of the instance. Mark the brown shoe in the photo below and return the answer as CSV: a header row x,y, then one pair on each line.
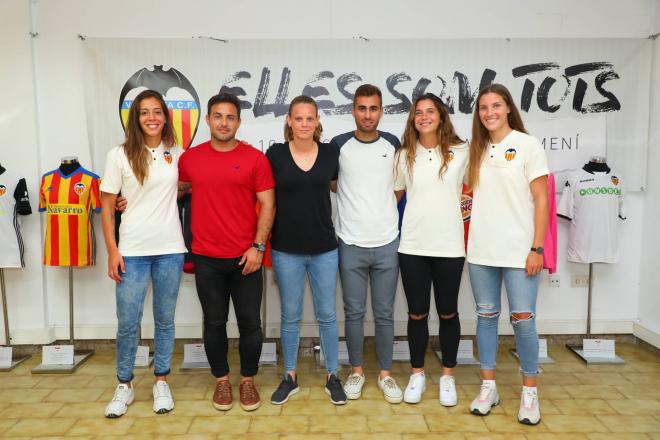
x,y
249,395
222,397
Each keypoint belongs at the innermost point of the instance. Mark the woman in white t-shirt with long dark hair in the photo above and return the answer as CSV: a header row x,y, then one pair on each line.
x,y
508,174
430,166
151,246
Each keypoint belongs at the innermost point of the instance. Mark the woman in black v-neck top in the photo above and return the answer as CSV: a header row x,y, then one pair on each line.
x,y
304,241
303,224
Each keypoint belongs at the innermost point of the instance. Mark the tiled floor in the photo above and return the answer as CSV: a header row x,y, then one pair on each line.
x,y
578,402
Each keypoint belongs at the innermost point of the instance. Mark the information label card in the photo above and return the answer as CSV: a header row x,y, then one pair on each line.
x,y
142,356
57,355
5,357
598,348
268,353
194,353
401,351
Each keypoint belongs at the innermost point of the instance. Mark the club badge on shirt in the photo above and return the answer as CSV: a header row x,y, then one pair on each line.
x,y
510,154
79,188
3,190
168,157
615,180
450,156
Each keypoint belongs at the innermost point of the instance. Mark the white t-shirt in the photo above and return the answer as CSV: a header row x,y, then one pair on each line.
x,y
432,221
366,206
594,203
502,221
13,201
150,225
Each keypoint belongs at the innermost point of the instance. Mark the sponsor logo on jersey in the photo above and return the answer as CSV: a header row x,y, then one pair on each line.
x,y
466,207
65,209
450,156
168,157
510,154
585,180
3,190
600,190
180,97
615,180
79,188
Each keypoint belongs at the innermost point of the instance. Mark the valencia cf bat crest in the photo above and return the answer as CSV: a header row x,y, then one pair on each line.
x,y
615,180
450,156
79,188
179,94
3,190
168,157
510,154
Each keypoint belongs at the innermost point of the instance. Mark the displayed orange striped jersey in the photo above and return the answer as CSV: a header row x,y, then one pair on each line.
x,y
69,201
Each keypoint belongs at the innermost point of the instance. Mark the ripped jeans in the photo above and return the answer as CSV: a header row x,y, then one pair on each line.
x,y
521,293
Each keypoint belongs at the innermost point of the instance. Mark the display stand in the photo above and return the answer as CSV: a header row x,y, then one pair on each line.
x,y
579,349
79,356
15,360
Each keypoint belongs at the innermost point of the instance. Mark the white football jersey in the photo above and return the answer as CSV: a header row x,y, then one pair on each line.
x,y
594,204
13,201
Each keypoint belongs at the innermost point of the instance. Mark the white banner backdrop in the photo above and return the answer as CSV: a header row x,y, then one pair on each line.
x,y
580,97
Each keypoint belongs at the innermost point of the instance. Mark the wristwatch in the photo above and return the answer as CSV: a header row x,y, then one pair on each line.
x,y
538,250
259,246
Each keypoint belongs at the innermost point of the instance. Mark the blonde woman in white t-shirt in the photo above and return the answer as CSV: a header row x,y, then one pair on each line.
x,y
508,174
151,246
429,167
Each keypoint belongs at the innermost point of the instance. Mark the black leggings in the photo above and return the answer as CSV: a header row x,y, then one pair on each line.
x,y
417,274
217,280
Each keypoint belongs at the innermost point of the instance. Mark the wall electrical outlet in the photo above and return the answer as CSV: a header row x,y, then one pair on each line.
x,y
553,280
579,280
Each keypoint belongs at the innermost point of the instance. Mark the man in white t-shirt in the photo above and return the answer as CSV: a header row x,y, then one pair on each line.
x,y
367,227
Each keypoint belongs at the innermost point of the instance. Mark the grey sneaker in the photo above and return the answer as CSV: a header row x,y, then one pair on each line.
x,y
287,388
334,389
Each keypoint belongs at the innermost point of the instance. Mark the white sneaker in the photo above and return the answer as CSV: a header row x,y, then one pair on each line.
x,y
120,400
530,411
390,389
415,388
353,386
447,391
486,399
163,401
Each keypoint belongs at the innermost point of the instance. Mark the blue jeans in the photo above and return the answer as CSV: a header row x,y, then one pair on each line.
x,y
165,272
521,292
290,270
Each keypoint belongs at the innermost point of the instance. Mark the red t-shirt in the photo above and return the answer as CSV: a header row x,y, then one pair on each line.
x,y
224,184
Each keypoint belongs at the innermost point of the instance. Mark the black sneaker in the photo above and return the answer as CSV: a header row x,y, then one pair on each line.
x,y
335,390
288,387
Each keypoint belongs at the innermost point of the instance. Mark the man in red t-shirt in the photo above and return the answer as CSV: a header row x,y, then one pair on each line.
x,y
228,177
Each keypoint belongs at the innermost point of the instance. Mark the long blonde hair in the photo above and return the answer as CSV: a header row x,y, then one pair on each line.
x,y
302,99
481,138
137,155
445,133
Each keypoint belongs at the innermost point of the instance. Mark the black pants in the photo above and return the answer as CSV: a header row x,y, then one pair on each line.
x,y
417,274
217,280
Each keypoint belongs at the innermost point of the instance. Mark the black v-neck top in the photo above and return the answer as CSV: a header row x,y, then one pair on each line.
x,y
303,219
